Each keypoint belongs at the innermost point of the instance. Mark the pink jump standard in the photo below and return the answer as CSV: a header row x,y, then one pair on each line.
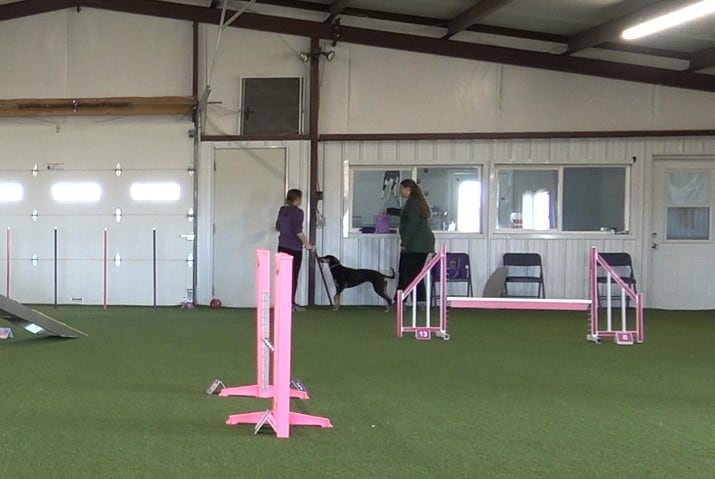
x,y
426,331
623,336
280,417
263,387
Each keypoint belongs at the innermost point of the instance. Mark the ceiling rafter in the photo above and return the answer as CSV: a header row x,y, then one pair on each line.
x,y
413,43
611,31
478,28
26,8
469,17
702,60
336,9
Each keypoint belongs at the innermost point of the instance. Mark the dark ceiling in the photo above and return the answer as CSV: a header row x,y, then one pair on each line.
x,y
575,36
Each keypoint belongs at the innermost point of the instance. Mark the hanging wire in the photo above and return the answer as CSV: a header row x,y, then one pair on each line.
x,y
218,36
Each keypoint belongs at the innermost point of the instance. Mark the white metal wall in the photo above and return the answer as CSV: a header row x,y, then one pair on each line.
x,y
377,90
565,255
89,53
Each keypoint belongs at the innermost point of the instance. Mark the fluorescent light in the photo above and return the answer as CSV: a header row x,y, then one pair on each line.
x,y
155,191
669,20
76,192
10,192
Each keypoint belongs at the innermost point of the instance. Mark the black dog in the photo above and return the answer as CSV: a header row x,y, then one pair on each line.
x,y
345,277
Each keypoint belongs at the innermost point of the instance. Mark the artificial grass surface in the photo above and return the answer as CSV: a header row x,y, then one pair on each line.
x,y
511,395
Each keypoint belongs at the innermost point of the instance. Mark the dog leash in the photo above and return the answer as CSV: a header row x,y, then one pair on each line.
x,y
322,275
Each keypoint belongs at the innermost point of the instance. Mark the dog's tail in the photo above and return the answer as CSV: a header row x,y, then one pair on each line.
x,y
393,273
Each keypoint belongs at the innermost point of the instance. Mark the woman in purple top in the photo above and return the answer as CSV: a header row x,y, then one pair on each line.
x,y
291,239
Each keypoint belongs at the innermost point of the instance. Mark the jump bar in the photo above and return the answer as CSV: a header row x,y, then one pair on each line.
x,y
519,303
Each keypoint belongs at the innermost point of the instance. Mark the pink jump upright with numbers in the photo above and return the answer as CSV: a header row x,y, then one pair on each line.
x,y
427,330
624,335
263,387
280,417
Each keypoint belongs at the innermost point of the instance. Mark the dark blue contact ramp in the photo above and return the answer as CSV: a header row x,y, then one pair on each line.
x,y
35,321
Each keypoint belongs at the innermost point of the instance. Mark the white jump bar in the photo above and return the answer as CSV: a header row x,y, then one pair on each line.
x,y
519,303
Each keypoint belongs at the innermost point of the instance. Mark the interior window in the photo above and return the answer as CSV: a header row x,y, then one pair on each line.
x,y
593,198
527,199
454,193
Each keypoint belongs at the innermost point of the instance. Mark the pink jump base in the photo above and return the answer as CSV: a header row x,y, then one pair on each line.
x,y
258,392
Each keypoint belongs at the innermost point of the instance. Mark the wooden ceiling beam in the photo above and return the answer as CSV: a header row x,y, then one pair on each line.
x,y
469,17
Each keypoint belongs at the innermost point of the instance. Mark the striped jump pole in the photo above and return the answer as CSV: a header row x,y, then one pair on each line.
x,y
8,243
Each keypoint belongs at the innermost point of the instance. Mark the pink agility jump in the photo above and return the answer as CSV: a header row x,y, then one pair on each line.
x,y
622,336
280,417
263,387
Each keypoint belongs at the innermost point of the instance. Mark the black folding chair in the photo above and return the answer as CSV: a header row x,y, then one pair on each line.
x,y
525,268
622,264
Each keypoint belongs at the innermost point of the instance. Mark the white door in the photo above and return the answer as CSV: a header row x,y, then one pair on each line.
x,y
249,187
682,249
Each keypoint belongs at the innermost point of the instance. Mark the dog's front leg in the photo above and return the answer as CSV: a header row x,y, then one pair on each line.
x,y
336,302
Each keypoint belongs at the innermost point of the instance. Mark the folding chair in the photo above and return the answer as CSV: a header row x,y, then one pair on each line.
x,y
524,268
621,264
458,271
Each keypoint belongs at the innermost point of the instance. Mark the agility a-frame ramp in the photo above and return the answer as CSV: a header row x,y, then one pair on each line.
x,y
35,321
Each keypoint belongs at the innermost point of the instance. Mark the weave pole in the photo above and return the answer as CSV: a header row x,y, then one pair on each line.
x,y
105,288
55,268
7,261
153,262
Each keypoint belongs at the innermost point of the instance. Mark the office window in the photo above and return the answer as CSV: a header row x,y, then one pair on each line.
x,y
588,198
594,198
454,194
526,199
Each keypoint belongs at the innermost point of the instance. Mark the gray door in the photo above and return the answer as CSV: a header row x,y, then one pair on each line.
x,y
682,249
249,186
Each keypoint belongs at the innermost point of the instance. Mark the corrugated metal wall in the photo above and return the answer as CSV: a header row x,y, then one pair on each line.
x,y
565,255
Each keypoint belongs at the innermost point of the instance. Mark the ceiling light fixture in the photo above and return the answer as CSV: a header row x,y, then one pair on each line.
x,y
669,20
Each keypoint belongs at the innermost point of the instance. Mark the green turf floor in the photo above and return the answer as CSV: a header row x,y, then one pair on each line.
x,y
512,395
